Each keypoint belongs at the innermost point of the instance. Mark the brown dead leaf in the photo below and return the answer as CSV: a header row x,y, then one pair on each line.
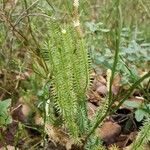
x,y
93,97
102,89
17,114
117,80
124,140
101,79
91,110
9,147
142,73
10,4
57,135
116,84
109,132
38,119
121,140
98,89
131,138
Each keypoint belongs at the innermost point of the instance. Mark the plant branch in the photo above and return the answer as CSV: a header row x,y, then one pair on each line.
x,y
131,90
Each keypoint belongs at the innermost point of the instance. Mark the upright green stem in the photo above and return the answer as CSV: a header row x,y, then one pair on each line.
x,y
117,46
129,92
108,112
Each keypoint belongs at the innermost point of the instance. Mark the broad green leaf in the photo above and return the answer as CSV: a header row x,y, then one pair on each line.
x,y
132,104
5,117
5,104
92,26
139,114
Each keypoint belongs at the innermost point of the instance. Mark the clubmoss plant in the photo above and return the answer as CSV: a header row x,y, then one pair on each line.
x,y
63,62
143,136
66,57
68,61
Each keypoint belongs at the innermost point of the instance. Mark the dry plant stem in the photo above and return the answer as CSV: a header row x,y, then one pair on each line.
x,y
11,26
5,90
29,23
32,14
76,18
145,8
31,33
49,3
21,37
18,20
